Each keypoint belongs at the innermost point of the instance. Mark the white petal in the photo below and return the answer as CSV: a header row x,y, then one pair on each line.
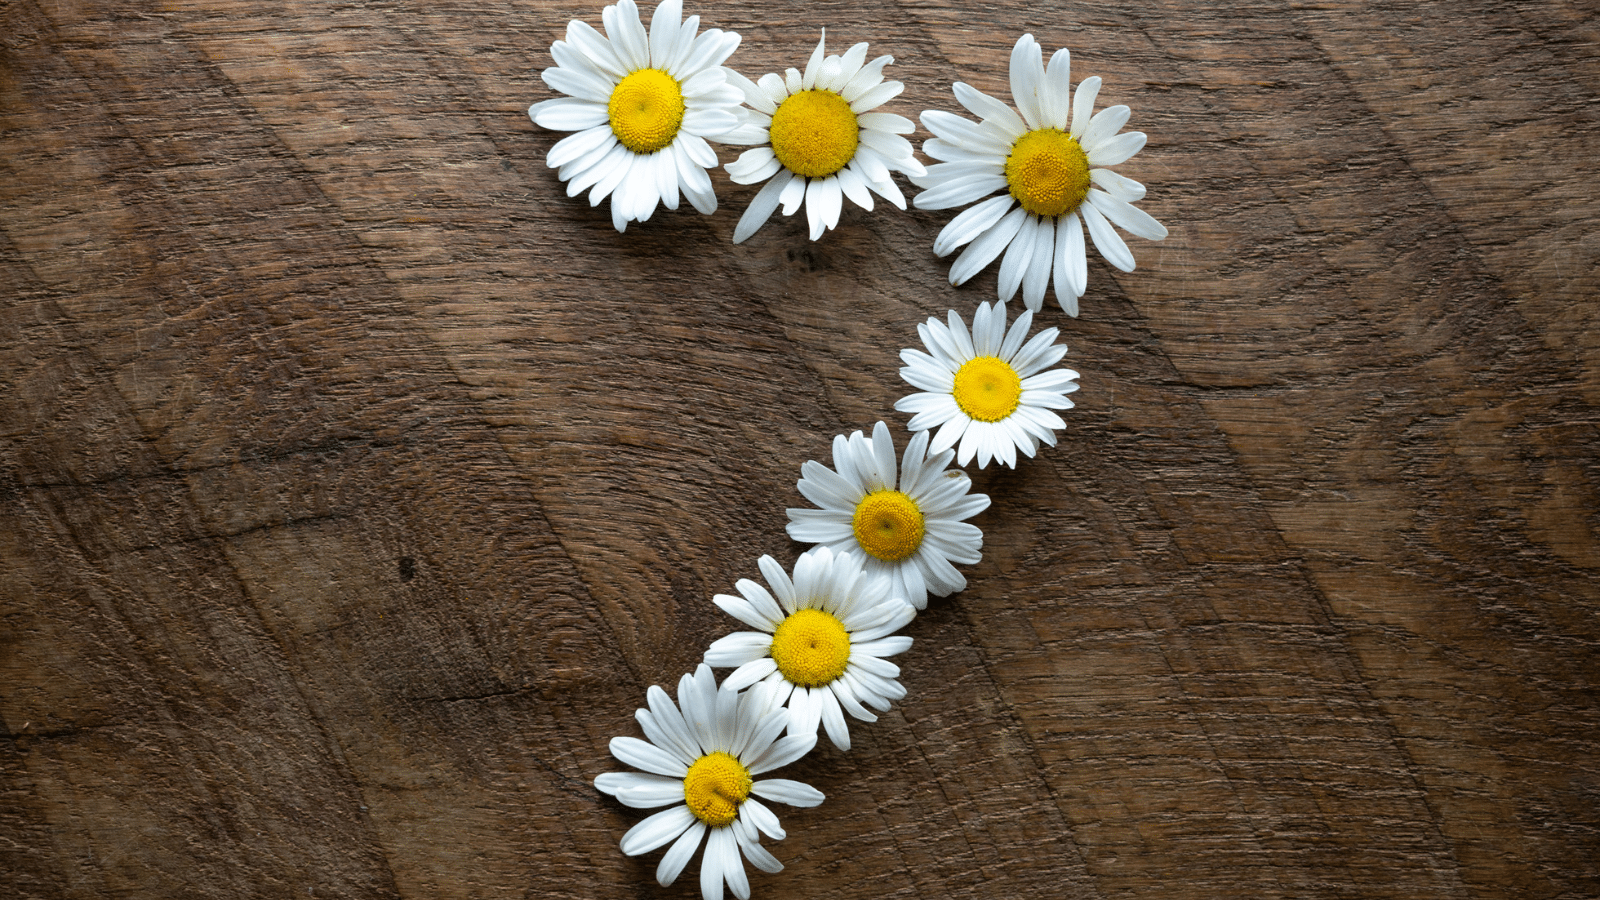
x,y
886,122
833,719
963,133
627,34
668,790
710,123
741,609
593,143
762,601
762,818
576,83
670,720
738,649
1037,278
892,147
809,79
773,86
592,44
1129,217
959,191
657,830
1027,77
851,183
986,107
761,207
817,526
886,188
664,29
726,848
973,221
748,673
778,580
757,164
667,736
648,757
1117,149
712,865
1106,239
1071,266
982,251
1018,254
887,646
876,96
827,488
783,751
679,854
849,65
614,783
1118,186
568,114
939,148
752,850
698,151
823,202
1105,123
868,78
1083,105
1055,97
794,194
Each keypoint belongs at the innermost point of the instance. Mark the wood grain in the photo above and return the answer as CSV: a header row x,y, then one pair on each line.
x,y
355,483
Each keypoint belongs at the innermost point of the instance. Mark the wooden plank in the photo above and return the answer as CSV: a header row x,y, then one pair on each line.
x,y
356,483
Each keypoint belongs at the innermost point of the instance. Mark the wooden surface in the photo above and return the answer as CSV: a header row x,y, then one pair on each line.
x,y
355,483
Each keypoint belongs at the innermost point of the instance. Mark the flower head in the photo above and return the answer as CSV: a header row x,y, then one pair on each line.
x,y
909,529
987,390
643,106
820,643
1056,179
820,140
704,759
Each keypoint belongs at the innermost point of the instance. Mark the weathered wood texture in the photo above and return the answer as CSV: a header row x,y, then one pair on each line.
x,y
355,483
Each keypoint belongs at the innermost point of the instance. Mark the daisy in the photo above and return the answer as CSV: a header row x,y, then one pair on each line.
x,y
910,533
821,643
643,106
987,390
1056,181
820,140
704,760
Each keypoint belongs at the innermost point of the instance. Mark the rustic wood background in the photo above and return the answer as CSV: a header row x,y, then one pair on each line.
x,y
355,483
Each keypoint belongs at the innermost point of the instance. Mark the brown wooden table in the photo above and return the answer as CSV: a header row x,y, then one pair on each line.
x,y
355,483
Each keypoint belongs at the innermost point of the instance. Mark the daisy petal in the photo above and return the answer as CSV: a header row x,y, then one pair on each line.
x,y
1106,240
679,854
657,830
1129,217
782,790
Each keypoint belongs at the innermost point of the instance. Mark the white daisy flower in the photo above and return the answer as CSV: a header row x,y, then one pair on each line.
x,y
1056,181
987,390
821,643
704,759
820,140
643,106
910,533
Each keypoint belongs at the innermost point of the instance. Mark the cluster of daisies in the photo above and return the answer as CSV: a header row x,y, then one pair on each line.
x,y
644,105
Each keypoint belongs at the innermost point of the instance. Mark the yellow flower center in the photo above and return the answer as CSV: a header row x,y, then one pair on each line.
x,y
814,133
888,525
1048,172
987,388
714,788
646,110
811,648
